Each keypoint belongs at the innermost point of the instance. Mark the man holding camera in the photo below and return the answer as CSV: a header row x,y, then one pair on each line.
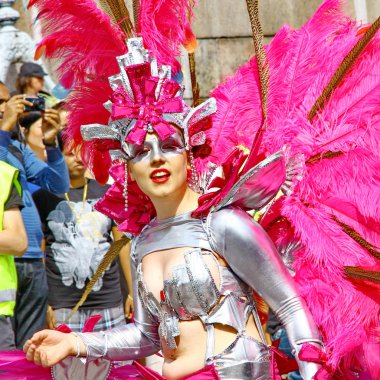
x,y
32,287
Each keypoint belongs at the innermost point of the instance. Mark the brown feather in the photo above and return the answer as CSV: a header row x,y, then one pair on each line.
x,y
194,83
262,61
358,238
108,258
343,69
356,273
318,157
103,4
136,11
120,14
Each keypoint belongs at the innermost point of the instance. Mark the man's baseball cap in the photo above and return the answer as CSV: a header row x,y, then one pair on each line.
x,y
31,69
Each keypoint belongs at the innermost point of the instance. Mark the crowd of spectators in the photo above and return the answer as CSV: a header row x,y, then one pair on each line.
x,y
51,238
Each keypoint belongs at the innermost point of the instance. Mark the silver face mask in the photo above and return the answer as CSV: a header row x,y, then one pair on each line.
x,y
156,147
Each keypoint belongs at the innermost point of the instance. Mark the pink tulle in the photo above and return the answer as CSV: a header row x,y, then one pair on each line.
x,y
14,366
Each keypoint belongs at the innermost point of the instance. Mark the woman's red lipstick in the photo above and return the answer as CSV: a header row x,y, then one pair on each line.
x,y
160,175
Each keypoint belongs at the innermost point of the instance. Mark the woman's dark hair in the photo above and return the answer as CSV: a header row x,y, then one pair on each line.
x,y
30,118
24,121
22,83
61,144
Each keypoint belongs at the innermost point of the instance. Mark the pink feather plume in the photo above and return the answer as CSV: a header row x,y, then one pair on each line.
x,y
84,42
82,37
344,188
165,26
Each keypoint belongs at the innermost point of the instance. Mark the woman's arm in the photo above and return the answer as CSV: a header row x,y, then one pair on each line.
x,y
13,238
51,175
252,256
132,341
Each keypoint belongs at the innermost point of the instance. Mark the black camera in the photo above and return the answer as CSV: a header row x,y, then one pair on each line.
x,y
38,104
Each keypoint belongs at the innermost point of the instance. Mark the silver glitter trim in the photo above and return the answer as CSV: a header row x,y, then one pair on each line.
x,y
108,105
154,67
98,131
204,110
117,154
229,197
115,81
196,114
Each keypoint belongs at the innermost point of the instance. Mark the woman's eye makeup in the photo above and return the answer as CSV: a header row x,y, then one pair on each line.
x,y
140,152
143,151
172,144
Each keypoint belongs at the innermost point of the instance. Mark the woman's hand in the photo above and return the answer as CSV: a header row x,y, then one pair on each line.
x,y
50,125
128,307
48,347
14,108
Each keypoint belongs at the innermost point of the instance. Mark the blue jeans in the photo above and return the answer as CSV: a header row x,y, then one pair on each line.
x,y
31,299
284,346
7,336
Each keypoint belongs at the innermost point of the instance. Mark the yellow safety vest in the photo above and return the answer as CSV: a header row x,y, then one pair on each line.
x,y
8,274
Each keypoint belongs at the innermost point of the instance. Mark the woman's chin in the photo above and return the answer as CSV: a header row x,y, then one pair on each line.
x,y
161,194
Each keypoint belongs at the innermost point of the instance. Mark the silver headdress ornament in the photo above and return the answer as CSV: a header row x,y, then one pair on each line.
x,y
146,99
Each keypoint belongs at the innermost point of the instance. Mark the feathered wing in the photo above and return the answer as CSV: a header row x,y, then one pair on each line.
x,y
337,200
334,209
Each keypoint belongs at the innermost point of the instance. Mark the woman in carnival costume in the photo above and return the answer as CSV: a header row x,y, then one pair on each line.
x,y
196,259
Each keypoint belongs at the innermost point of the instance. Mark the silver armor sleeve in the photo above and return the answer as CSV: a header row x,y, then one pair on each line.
x,y
252,256
132,341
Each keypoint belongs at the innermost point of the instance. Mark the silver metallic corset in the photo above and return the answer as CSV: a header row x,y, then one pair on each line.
x,y
191,293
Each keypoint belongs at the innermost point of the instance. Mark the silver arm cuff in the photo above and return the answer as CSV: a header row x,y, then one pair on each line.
x,y
252,255
121,343
295,316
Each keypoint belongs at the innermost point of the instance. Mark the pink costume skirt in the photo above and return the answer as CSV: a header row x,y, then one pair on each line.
x,y
14,366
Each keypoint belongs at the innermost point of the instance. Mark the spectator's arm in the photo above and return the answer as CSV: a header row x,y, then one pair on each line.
x,y
52,176
5,140
13,238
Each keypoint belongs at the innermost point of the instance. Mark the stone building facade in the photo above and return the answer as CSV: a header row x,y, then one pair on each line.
x,y
224,34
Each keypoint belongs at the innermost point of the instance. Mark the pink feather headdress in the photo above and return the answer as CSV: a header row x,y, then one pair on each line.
x,y
145,99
